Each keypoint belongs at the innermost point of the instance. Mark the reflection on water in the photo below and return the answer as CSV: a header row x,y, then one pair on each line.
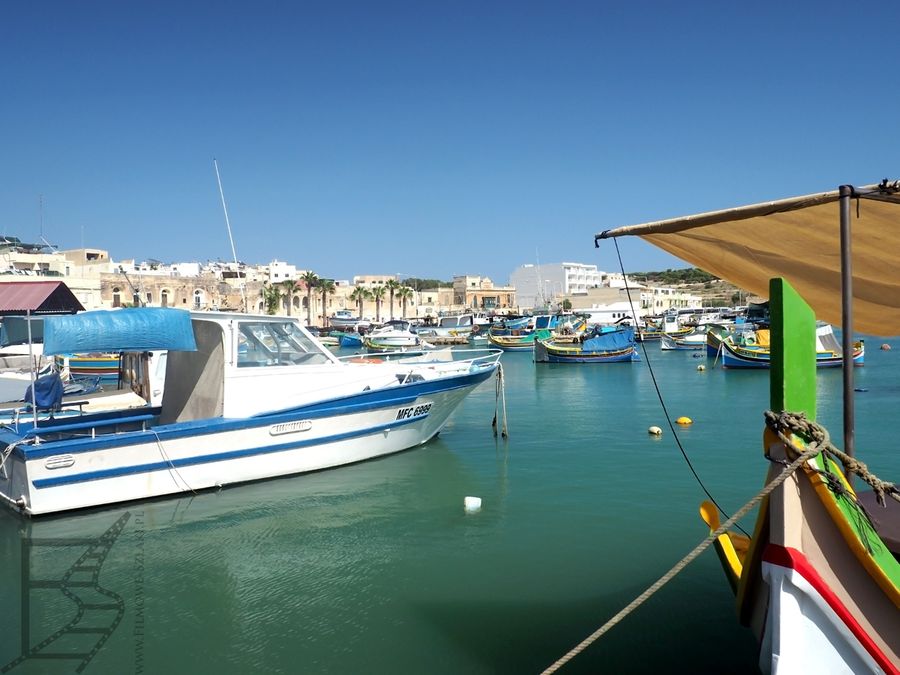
x,y
377,568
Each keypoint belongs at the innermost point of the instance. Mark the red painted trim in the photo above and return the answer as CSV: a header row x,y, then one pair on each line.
x,y
793,559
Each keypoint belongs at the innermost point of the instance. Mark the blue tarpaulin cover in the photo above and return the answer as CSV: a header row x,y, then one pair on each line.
x,y
48,392
610,342
134,329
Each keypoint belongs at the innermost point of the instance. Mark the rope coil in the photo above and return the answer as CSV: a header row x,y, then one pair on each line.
x,y
801,425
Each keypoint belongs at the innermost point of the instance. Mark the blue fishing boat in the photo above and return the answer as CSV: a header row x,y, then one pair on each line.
x,y
612,346
748,353
350,340
540,326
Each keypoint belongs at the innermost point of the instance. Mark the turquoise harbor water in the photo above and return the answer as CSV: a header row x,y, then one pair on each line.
x,y
376,568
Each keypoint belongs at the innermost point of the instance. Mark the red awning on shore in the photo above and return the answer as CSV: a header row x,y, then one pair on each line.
x,y
38,297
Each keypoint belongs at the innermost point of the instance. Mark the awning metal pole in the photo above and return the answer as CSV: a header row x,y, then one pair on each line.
x,y
846,192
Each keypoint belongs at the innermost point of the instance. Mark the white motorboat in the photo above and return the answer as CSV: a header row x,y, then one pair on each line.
x,y
246,398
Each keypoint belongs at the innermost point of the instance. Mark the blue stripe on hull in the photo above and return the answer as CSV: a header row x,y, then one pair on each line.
x,y
363,402
217,457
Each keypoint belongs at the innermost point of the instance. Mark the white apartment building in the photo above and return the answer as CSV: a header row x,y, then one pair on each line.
x,y
540,286
282,271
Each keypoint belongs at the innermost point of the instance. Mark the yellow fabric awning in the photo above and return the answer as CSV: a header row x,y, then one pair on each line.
x,y
798,239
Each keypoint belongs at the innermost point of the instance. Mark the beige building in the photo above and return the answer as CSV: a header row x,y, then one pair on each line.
x,y
101,283
476,293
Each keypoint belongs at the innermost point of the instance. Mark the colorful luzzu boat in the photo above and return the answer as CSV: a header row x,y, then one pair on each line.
x,y
818,582
616,346
737,354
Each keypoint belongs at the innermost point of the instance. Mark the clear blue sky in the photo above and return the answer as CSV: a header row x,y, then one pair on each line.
x,y
424,138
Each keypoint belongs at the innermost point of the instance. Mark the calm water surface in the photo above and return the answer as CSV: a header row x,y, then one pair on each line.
x,y
376,568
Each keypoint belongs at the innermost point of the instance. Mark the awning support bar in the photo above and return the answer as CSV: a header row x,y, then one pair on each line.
x,y
846,193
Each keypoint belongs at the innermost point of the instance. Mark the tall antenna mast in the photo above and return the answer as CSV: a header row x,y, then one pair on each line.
x,y
540,274
230,238
41,210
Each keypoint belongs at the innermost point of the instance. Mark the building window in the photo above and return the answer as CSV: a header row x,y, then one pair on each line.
x,y
164,298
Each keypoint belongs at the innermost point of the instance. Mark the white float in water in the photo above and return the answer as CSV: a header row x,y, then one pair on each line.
x,y
472,504
654,431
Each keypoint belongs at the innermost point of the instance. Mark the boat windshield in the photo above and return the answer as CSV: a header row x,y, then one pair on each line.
x,y
273,343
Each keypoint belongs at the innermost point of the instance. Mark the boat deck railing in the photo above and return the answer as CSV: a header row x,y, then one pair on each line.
x,y
446,354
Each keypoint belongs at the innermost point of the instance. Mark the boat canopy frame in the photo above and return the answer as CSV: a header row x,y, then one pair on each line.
x,y
736,244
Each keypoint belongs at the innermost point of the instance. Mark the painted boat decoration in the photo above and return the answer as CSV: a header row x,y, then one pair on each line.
x,y
818,582
616,346
246,398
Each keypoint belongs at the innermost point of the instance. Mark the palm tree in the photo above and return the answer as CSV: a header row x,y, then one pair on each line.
x,y
270,295
311,279
290,287
405,293
326,286
392,285
359,295
378,293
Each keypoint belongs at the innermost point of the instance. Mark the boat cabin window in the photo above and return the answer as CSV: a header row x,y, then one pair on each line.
x,y
273,343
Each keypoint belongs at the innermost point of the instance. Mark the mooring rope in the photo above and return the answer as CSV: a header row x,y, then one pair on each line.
x,y
500,394
801,425
173,470
812,449
659,396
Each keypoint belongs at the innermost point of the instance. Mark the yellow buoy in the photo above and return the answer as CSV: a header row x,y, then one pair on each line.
x,y
654,431
684,420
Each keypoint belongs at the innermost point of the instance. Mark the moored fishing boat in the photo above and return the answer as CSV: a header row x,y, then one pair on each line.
x,y
396,334
695,338
614,346
246,398
756,353
539,327
345,319
454,326
349,339
96,364
715,333
816,582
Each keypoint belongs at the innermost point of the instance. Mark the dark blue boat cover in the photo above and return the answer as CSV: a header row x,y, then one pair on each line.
x,y
48,392
134,329
613,341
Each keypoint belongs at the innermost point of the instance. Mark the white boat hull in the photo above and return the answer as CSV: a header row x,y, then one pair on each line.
x,y
182,457
808,630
